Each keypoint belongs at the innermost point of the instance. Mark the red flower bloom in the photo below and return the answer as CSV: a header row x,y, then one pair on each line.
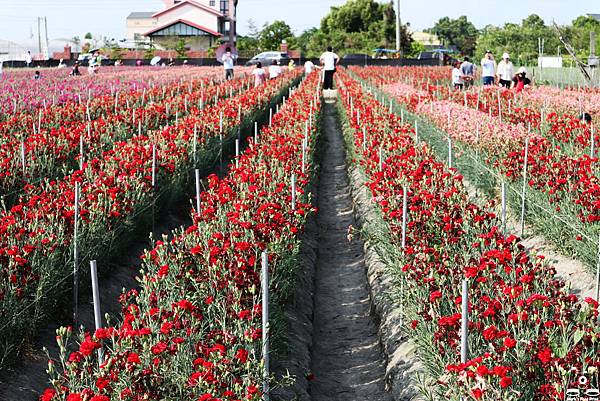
x,y
48,394
505,381
133,358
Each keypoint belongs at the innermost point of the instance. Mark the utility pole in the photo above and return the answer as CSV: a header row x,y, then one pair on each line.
x,y
47,41
232,23
398,25
39,21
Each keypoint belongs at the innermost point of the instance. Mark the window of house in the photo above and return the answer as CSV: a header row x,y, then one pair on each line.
x,y
212,3
224,6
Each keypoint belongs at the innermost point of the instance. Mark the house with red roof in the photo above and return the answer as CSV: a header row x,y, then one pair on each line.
x,y
201,23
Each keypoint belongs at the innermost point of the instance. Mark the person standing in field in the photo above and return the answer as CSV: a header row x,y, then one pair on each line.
x,y
259,75
308,67
329,61
75,71
274,70
521,81
1,62
28,59
457,78
506,71
228,59
488,69
467,70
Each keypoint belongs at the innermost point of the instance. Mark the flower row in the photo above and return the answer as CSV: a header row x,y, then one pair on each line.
x,y
193,330
117,188
527,337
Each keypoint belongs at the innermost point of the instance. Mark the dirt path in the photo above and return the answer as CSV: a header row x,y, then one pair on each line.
x,y
346,357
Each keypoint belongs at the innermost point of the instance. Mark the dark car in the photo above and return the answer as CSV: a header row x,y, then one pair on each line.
x,y
266,58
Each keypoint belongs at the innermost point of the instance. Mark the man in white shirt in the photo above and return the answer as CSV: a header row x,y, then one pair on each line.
x,y
228,59
308,67
274,70
506,71
28,59
488,69
329,61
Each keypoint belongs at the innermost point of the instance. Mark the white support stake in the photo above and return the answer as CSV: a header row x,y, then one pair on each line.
x,y
592,143
449,152
503,208
237,153
524,186
96,298
255,132
294,191
404,214
464,323
364,139
598,273
416,132
270,116
23,156
197,172
265,324
195,147
153,166
76,257
81,152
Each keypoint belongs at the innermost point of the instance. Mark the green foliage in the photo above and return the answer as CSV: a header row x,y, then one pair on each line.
x,y
458,32
520,41
359,26
149,52
272,35
415,49
88,35
247,46
181,48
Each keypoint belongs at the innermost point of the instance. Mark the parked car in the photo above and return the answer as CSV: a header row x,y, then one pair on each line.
x,y
266,58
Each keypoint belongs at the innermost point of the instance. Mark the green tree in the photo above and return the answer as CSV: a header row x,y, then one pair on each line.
x,y
520,41
181,48
359,26
247,46
88,36
458,32
272,35
149,52
534,21
389,24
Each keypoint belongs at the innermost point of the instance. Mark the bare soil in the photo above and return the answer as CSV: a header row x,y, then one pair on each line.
x,y
346,358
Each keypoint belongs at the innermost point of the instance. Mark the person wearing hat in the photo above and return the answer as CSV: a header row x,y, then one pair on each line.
x,y
506,71
520,80
488,68
75,71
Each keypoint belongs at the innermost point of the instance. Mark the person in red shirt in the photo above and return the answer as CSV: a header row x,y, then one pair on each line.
x,y
520,80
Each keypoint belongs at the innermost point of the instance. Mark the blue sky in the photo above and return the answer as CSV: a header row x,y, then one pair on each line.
x,y
67,18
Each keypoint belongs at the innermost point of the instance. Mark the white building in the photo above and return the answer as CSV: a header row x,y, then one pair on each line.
x,y
201,23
